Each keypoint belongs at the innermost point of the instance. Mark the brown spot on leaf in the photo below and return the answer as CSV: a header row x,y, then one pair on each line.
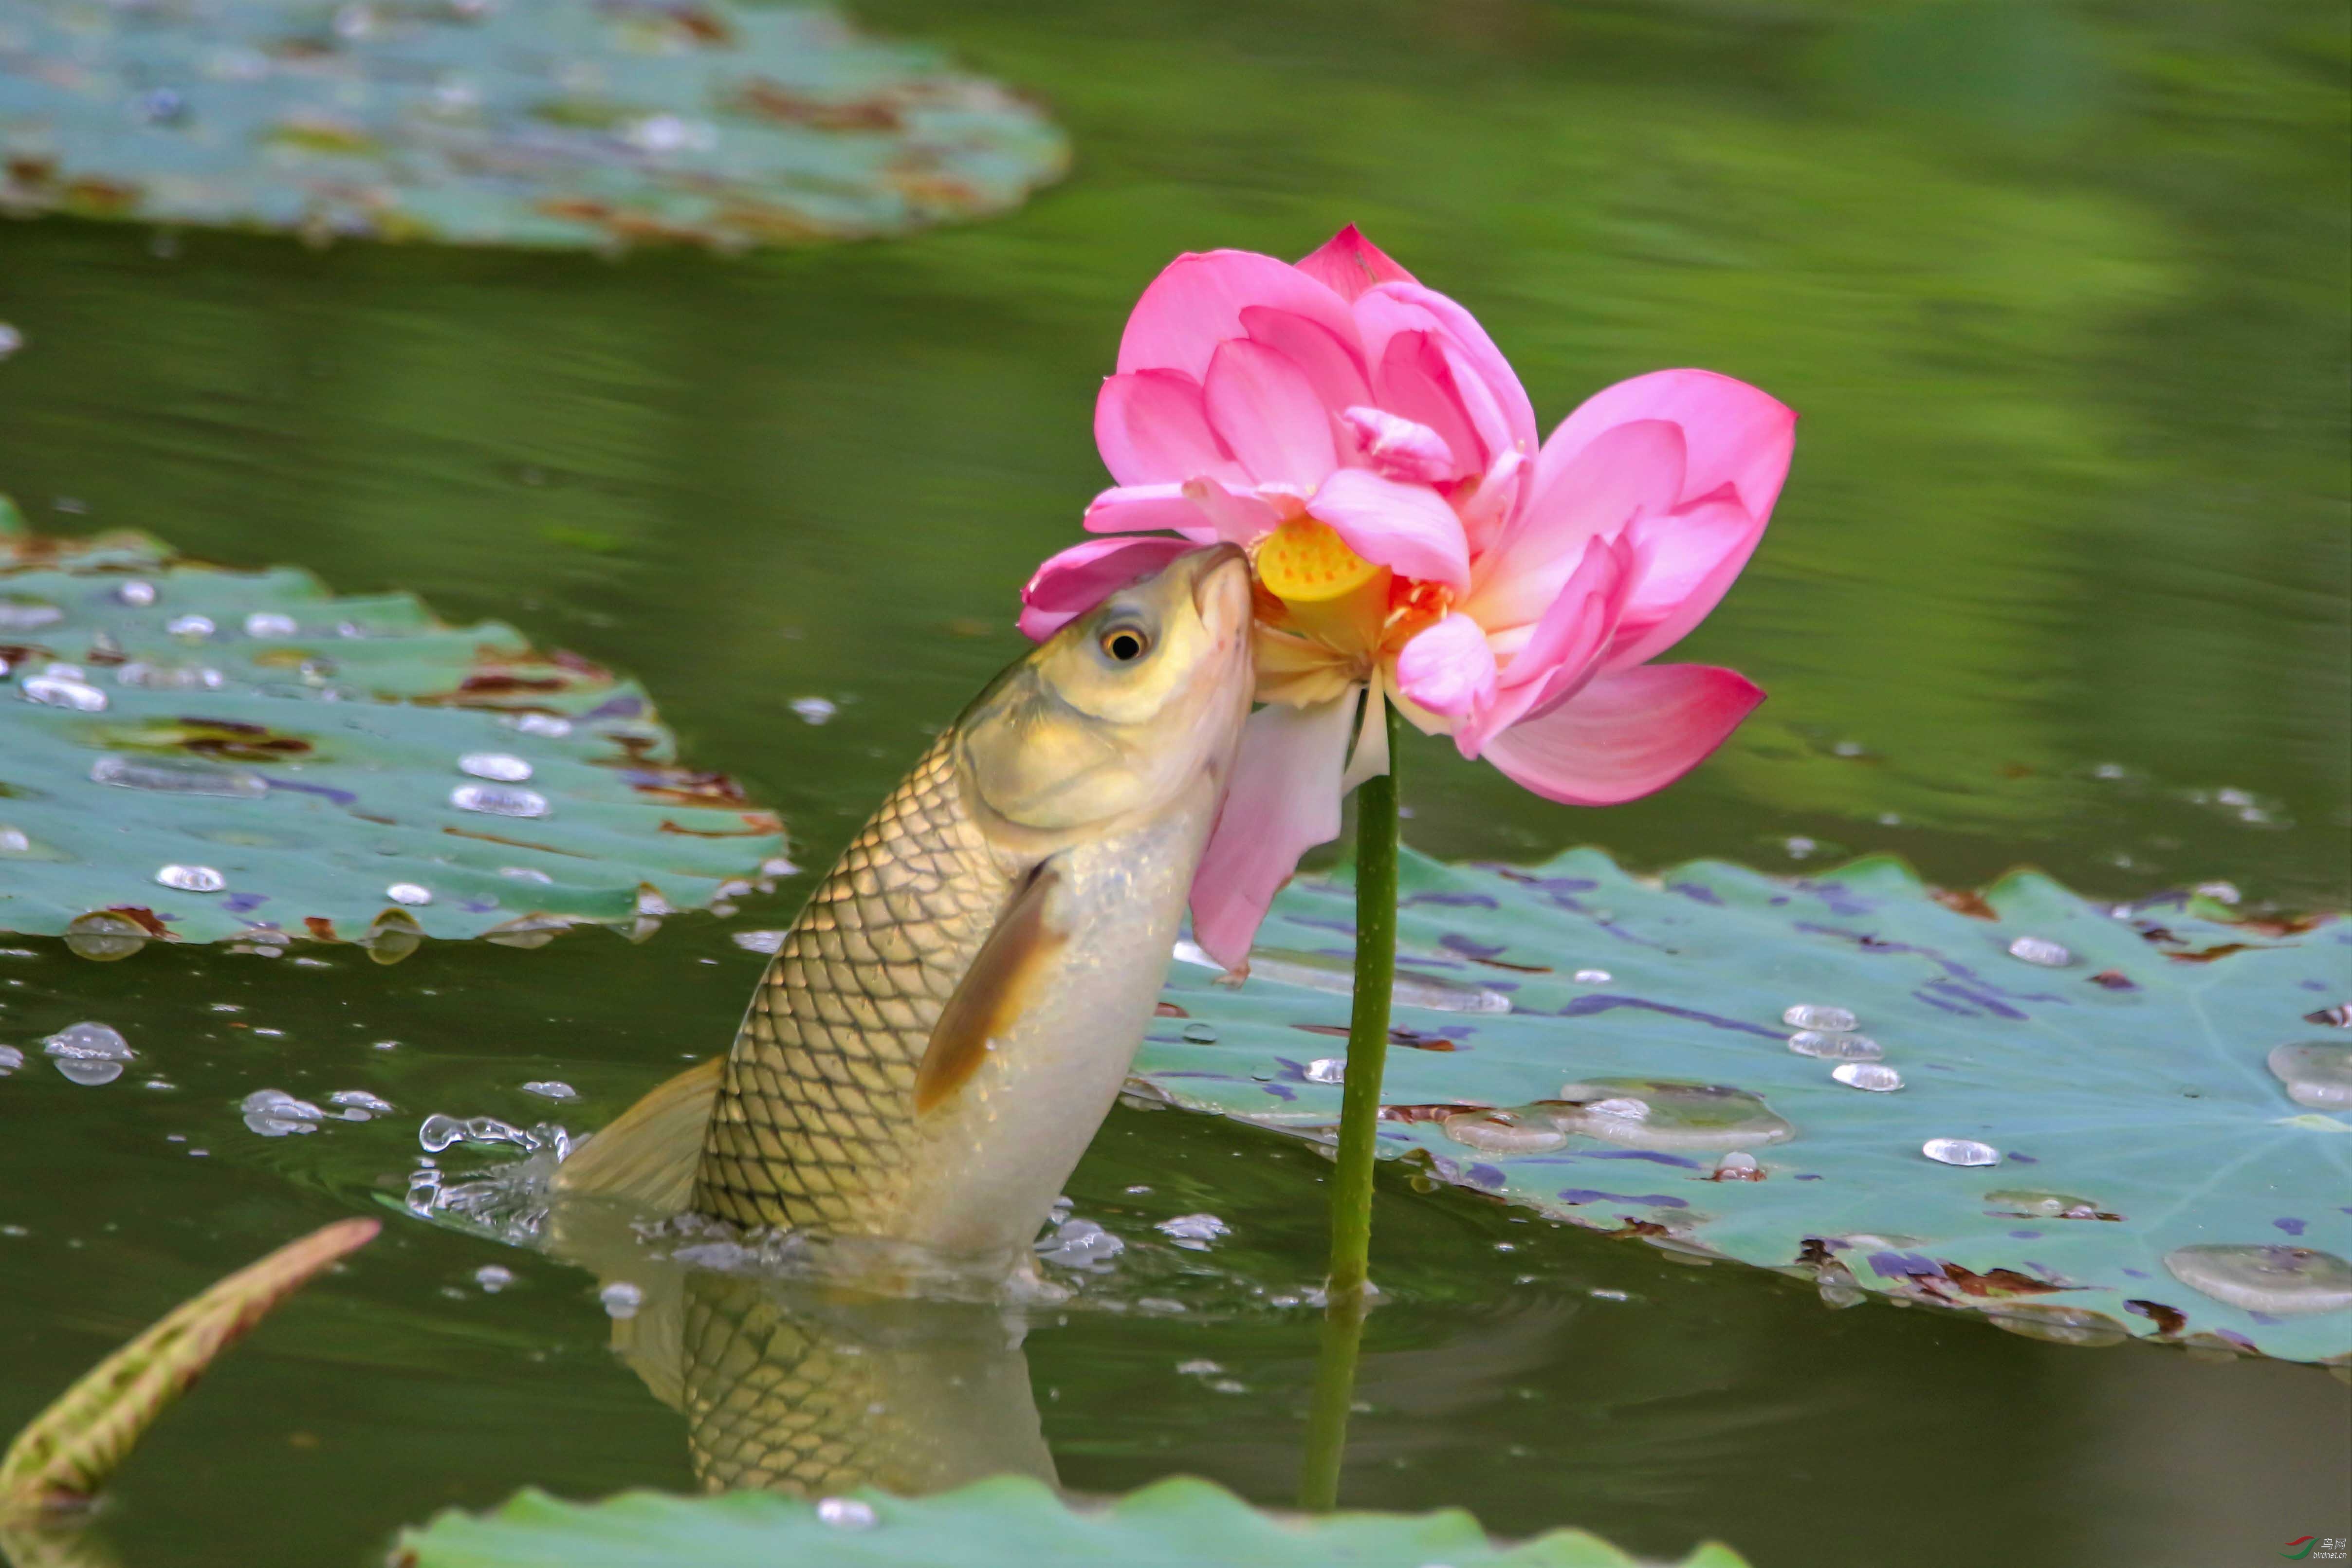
x,y
514,843
2335,1017
1411,1039
1168,1010
1961,901
142,917
1425,1112
2168,1321
774,100
1518,968
321,927
2206,955
1998,1284
2113,979
756,825
684,787
2282,925
504,682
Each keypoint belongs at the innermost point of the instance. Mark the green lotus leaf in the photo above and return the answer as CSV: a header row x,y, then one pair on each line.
x,y
523,122
1005,1522
191,754
2160,1094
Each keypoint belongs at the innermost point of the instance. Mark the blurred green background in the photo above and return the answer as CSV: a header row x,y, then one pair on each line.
x,y
2060,577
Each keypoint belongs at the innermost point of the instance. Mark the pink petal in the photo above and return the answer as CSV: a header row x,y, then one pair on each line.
x,y
1414,380
1560,653
1073,582
1684,563
1734,433
1625,735
1196,303
1237,516
1348,264
1634,468
1141,509
1492,373
1283,801
1407,528
1396,448
1334,366
1448,669
1151,428
1266,413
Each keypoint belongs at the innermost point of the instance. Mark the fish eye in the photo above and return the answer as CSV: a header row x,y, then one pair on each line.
x,y
1126,644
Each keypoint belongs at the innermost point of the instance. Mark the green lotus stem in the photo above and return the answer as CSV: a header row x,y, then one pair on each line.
x,y
1347,1290
1368,1024
68,1452
1335,1393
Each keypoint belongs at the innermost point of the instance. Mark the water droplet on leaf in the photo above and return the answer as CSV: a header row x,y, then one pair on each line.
x,y
1871,1076
2284,1282
499,800
1835,1048
191,879
2040,950
2316,1072
499,765
1961,1152
1819,1017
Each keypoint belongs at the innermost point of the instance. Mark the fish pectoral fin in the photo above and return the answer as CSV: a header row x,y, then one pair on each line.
x,y
996,990
648,1153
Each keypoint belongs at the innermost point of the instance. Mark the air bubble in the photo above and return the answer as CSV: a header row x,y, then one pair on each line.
x,y
1080,1244
191,626
814,709
621,1299
1193,1232
269,624
551,1089
274,1113
1592,977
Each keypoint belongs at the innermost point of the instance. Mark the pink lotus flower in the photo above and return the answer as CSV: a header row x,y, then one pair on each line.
x,y
1367,442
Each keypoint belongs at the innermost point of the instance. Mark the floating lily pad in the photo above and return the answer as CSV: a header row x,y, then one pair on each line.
x,y
525,122
191,754
1007,1523
2070,1117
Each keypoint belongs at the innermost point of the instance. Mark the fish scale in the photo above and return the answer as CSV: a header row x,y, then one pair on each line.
x,y
814,1124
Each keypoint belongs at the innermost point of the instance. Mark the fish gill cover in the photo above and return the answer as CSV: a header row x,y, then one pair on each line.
x,y
520,123
193,754
2085,1122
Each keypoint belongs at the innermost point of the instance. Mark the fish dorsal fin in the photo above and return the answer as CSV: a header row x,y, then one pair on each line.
x,y
996,990
648,1154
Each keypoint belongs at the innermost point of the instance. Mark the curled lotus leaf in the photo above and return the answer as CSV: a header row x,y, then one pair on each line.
x,y
1008,1521
197,754
2095,1134
519,123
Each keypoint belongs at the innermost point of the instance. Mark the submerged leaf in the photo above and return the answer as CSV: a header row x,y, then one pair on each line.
x,y
1006,1523
69,1449
196,755
527,123
2076,1158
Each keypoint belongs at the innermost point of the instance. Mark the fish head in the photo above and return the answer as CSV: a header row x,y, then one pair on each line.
x,y
1127,709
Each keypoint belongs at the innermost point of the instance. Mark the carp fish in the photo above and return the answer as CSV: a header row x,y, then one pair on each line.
x,y
949,1018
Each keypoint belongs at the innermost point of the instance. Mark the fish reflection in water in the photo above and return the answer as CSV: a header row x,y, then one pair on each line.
x,y
810,1384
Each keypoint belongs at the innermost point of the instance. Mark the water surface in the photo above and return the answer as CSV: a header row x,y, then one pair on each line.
x,y
2060,578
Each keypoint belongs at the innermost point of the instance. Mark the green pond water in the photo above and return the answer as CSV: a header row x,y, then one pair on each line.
x,y
2060,578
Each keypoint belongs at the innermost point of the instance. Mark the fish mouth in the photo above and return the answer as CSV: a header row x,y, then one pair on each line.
x,y
1221,589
